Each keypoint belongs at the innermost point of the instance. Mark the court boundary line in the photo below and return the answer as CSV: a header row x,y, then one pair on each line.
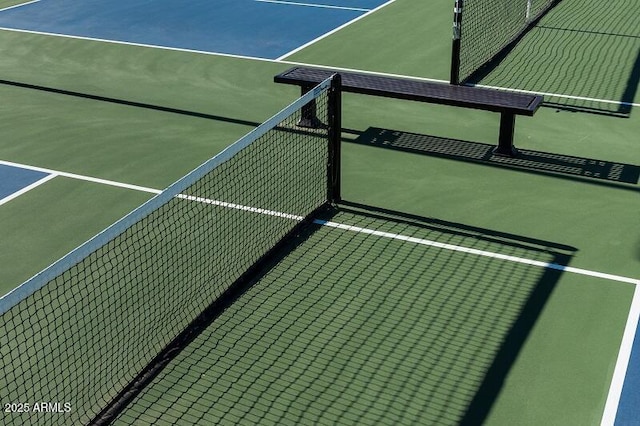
x,y
335,30
614,395
483,253
557,95
134,44
19,5
444,246
27,188
281,60
322,6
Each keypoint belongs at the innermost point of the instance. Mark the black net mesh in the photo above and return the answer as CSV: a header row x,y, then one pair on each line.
x,y
489,26
584,56
79,340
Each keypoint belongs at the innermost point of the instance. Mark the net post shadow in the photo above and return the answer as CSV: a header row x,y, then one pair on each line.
x,y
493,382
631,88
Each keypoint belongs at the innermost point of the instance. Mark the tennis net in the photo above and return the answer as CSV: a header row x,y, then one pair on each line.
x,y
484,29
75,338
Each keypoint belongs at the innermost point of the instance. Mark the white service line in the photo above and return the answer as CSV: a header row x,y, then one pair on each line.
x,y
27,189
323,6
444,246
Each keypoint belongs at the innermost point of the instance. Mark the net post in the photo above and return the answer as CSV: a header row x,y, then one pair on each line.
x,y
335,136
455,48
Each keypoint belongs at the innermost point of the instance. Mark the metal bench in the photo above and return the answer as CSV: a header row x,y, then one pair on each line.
x,y
508,104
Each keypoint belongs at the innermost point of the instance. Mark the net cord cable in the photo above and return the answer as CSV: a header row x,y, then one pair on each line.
x,y
77,255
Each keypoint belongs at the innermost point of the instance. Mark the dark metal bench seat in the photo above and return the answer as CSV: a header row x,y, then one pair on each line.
x,y
508,104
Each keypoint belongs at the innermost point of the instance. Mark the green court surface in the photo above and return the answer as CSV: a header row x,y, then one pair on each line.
x,y
399,344
10,3
346,327
584,48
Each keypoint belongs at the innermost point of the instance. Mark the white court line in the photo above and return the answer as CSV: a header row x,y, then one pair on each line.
x,y
27,188
129,43
626,346
477,252
82,177
324,6
281,58
557,95
622,363
241,207
421,241
444,246
19,5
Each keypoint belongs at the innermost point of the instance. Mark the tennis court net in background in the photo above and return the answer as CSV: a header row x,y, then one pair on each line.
x,y
484,28
586,55
79,333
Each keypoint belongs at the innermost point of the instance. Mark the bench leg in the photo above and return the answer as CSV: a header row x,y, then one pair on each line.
x,y
505,146
309,118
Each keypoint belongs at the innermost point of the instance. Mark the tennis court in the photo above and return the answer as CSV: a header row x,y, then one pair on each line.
x,y
445,285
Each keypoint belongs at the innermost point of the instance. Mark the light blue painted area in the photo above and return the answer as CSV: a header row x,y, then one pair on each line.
x,y
629,406
13,179
237,27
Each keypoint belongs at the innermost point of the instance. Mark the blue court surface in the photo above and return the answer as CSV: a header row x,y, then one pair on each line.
x,y
256,28
629,407
13,179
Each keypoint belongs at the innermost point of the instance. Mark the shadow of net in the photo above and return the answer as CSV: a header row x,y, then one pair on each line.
x,y
355,325
585,56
